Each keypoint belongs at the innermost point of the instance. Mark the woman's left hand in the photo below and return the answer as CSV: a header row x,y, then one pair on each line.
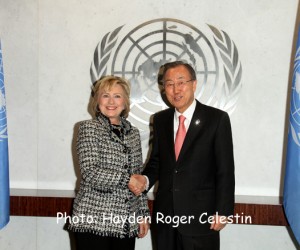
x,y
143,228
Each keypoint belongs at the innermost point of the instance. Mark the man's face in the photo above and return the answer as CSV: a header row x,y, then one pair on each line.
x,y
179,87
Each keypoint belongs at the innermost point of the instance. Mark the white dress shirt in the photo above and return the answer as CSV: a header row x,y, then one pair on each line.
x,y
188,114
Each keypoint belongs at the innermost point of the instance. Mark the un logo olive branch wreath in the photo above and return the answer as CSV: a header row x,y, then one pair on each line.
x,y
232,70
102,54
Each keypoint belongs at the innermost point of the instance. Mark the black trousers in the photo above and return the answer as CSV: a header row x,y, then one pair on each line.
x,y
169,238
89,241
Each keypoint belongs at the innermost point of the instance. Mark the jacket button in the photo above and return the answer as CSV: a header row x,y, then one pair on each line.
x,y
125,166
125,150
176,171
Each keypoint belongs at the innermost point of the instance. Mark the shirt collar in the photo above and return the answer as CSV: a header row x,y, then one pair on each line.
x,y
188,114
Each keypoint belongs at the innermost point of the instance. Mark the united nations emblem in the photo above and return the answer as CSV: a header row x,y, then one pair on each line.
x,y
140,53
295,101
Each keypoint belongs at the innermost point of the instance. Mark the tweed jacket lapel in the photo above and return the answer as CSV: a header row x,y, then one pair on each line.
x,y
124,129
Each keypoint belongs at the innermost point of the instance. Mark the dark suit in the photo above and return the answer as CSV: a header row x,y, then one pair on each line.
x,y
202,179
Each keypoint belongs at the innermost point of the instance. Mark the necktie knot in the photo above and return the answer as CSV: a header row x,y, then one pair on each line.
x,y
180,135
181,119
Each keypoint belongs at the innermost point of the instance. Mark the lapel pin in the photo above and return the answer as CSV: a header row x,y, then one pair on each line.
x,y
197,122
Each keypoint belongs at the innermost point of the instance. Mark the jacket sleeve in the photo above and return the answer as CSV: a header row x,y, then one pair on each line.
x,y
225,182
143,209
92,171
152,166
143,206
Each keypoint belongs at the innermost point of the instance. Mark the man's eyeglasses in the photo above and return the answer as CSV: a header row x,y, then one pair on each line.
x,y
169,84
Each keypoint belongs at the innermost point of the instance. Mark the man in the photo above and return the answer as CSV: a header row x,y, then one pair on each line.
x,y
192,158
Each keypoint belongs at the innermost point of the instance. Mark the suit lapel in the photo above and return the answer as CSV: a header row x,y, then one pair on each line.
x,y
169,132
195,127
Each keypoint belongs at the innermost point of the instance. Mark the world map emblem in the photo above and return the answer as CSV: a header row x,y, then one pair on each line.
x,y
138,54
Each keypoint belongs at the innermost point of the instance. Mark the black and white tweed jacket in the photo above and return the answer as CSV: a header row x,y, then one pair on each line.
x,y
104,205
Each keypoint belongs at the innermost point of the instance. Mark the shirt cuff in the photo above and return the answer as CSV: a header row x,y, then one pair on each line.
x,y
147,182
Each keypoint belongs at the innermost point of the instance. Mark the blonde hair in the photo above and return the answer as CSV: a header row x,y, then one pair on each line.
x,y
106,83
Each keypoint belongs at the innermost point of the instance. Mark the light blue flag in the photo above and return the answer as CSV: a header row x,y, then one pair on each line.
x,y
4,174
291,193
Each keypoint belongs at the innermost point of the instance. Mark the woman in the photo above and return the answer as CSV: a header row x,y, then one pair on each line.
x,y
106,215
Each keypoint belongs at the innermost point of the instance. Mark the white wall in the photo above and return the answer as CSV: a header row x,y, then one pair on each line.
x,y
47,51
48,48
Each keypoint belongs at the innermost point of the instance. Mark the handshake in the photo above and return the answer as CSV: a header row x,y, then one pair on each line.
x,y
137,184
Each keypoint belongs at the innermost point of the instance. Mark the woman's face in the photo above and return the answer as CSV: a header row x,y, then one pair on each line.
x,y
112,102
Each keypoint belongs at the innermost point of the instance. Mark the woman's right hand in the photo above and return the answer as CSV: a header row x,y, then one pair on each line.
x,y
143,228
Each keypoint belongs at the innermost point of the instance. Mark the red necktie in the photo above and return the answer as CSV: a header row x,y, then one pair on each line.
x,y
180,135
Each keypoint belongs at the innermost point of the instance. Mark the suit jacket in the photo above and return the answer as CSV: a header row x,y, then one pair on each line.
x,y
201,182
